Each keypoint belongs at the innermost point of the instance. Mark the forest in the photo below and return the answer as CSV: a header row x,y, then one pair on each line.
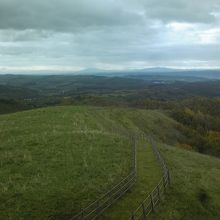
x,y
194,105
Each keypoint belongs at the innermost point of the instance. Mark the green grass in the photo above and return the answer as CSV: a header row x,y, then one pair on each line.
x,y
148,175
53,161
195,186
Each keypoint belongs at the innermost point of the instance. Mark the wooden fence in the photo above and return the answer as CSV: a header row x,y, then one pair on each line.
x,y
96,208
152,200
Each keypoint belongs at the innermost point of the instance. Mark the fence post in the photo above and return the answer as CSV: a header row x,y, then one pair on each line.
x,y
168,173
144,212
132,216
158,192
97,207
135,159
164,183
152,202
82,214
111,197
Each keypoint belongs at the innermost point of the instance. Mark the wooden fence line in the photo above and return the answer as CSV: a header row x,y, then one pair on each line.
x,y
152,200
96,208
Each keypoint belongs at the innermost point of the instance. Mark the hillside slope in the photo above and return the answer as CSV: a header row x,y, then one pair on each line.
x,y
56,160
195,191
53,161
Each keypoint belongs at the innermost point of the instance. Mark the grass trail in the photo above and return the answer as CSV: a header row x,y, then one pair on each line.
x,y
148,175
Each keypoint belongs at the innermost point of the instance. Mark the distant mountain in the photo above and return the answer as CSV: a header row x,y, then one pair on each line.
x,y
128,71
155,71
159,70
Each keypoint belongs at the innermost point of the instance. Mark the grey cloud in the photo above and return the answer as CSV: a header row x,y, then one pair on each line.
x,y
89,33
182,10
81,15
65,15
11,35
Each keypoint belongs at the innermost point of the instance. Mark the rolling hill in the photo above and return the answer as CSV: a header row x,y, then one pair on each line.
x,y
54,161
194,192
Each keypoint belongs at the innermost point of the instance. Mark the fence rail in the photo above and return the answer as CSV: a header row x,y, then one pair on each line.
x,y
96,208
152,200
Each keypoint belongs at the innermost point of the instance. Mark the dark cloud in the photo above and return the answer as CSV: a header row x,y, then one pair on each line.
x,y
69,15
109,33
65,15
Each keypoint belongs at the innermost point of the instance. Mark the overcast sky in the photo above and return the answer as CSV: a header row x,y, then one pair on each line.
x,y
68,35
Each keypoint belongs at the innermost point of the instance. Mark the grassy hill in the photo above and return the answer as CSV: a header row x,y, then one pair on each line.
x,y
53,161
56,160
195,191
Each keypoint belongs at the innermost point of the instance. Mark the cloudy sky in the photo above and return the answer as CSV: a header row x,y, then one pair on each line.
x,y
66,35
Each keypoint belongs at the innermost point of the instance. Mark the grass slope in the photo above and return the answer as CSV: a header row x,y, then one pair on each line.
x,y
195,191
148,175
55,160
